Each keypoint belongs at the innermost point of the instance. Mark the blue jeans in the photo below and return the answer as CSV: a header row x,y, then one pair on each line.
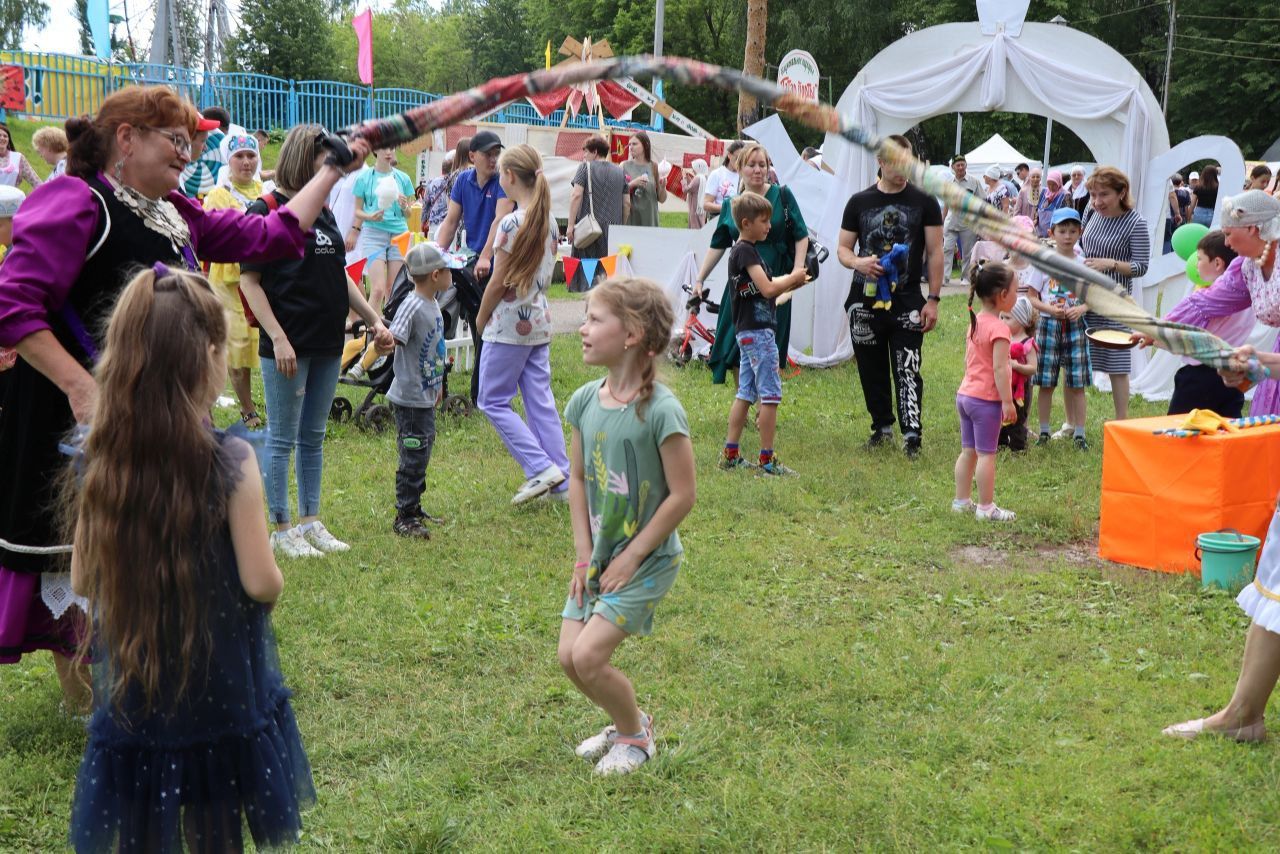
x,y
758,377
298,408
1204,216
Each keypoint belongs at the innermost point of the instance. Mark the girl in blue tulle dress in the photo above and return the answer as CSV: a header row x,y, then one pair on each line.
x,y
192,738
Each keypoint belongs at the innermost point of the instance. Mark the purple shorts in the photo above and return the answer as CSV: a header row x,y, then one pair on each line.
x,y
979,423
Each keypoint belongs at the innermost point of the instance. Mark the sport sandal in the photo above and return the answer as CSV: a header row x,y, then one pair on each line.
x,y
627,754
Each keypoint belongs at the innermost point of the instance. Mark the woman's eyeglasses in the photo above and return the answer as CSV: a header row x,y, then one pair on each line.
x,y
180,143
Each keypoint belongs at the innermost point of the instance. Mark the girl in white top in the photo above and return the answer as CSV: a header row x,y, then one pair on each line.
x,y
516,322
14,168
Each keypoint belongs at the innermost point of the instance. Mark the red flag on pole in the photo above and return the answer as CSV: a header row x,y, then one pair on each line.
x,y
363,24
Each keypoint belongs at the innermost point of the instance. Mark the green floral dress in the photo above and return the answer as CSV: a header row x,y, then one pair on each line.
x,y
626,483
778,251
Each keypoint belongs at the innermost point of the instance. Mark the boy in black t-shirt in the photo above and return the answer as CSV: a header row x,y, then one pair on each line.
x,y
754,294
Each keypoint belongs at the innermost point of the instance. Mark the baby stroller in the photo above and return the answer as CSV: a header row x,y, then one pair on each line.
x,y
462,301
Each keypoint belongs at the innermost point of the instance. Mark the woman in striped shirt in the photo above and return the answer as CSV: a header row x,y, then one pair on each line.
x,y
1115,242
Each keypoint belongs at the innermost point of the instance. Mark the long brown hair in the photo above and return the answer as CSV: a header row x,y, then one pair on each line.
x,y
645,310
143,514
137,106
529,249
648,155
1209,178
462,155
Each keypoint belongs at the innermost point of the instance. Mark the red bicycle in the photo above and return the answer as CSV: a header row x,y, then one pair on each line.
x,y
682,347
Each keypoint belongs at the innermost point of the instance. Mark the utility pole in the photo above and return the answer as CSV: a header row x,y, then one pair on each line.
x,y
1168,57
658,16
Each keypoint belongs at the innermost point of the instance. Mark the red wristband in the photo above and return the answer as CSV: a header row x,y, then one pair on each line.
x,y
582,564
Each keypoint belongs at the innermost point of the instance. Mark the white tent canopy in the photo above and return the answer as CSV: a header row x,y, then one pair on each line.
x,y
997,150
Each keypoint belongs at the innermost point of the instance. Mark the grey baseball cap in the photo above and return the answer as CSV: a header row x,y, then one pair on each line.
x,y
426,258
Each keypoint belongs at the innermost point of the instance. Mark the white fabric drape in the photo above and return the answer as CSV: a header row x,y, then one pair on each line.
x,y
1072,92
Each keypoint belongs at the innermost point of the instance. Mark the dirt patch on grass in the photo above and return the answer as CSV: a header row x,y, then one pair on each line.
x,y
1031,557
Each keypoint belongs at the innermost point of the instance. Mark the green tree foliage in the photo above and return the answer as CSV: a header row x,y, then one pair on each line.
x,y
415,46
16,16
285,38
82,18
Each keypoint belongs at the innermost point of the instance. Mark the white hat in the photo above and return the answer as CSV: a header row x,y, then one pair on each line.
x,y
993,172
1193,176
1253,207
10,198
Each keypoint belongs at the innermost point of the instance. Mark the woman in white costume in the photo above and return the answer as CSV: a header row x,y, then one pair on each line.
x,y
1252,216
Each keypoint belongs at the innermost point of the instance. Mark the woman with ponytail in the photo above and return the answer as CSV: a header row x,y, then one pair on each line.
x,y
516,324
76,242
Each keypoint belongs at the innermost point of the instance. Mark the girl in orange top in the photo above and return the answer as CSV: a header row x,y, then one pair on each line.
x,y
985,397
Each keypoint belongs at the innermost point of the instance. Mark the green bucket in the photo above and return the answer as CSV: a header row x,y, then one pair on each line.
x,y
1226,559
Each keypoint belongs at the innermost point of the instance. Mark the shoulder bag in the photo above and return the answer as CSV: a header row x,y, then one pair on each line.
x,y
587,230
816,253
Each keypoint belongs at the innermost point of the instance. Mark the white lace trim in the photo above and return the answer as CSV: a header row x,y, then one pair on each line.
x,y
57,595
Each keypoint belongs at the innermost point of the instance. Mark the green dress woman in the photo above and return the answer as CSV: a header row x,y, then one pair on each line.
x,y
788,239
646,190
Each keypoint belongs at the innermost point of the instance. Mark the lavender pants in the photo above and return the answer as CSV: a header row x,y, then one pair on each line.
x,y
537,440
979,423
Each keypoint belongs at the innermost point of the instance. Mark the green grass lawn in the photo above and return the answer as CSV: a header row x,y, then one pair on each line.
x,y
843,663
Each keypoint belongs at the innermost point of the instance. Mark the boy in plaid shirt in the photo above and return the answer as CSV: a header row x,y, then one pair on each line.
x,y
1060,337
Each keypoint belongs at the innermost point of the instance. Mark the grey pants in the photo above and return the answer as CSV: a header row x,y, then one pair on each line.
x,y
416,434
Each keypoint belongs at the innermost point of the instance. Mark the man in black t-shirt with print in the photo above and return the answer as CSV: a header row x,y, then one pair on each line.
x,y
887,339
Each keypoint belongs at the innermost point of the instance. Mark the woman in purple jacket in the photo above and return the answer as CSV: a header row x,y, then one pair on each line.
x,y
76,242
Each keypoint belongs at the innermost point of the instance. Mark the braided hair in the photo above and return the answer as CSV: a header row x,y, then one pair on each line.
x,y
645,310
992,279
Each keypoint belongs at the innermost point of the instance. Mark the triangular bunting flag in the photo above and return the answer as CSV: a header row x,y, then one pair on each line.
x,y
356,270
401,242
610,263
589,269
570,268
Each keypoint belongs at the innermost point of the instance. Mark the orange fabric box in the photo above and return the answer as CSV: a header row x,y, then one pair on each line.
x,y
1160,492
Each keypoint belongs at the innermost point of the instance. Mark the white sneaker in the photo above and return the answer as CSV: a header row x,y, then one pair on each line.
x,y
540,483
598,745
291,543
319,537
995,514
356,372
966,506
1066,431
627,754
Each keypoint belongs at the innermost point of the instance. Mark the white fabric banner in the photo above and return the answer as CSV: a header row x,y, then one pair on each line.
x,y
1071,91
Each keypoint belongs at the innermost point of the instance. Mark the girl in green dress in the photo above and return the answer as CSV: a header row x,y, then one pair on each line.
x,y
783,251
646,188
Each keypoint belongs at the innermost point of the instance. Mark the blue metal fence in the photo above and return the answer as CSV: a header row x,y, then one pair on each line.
x,y
256,100
60,86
